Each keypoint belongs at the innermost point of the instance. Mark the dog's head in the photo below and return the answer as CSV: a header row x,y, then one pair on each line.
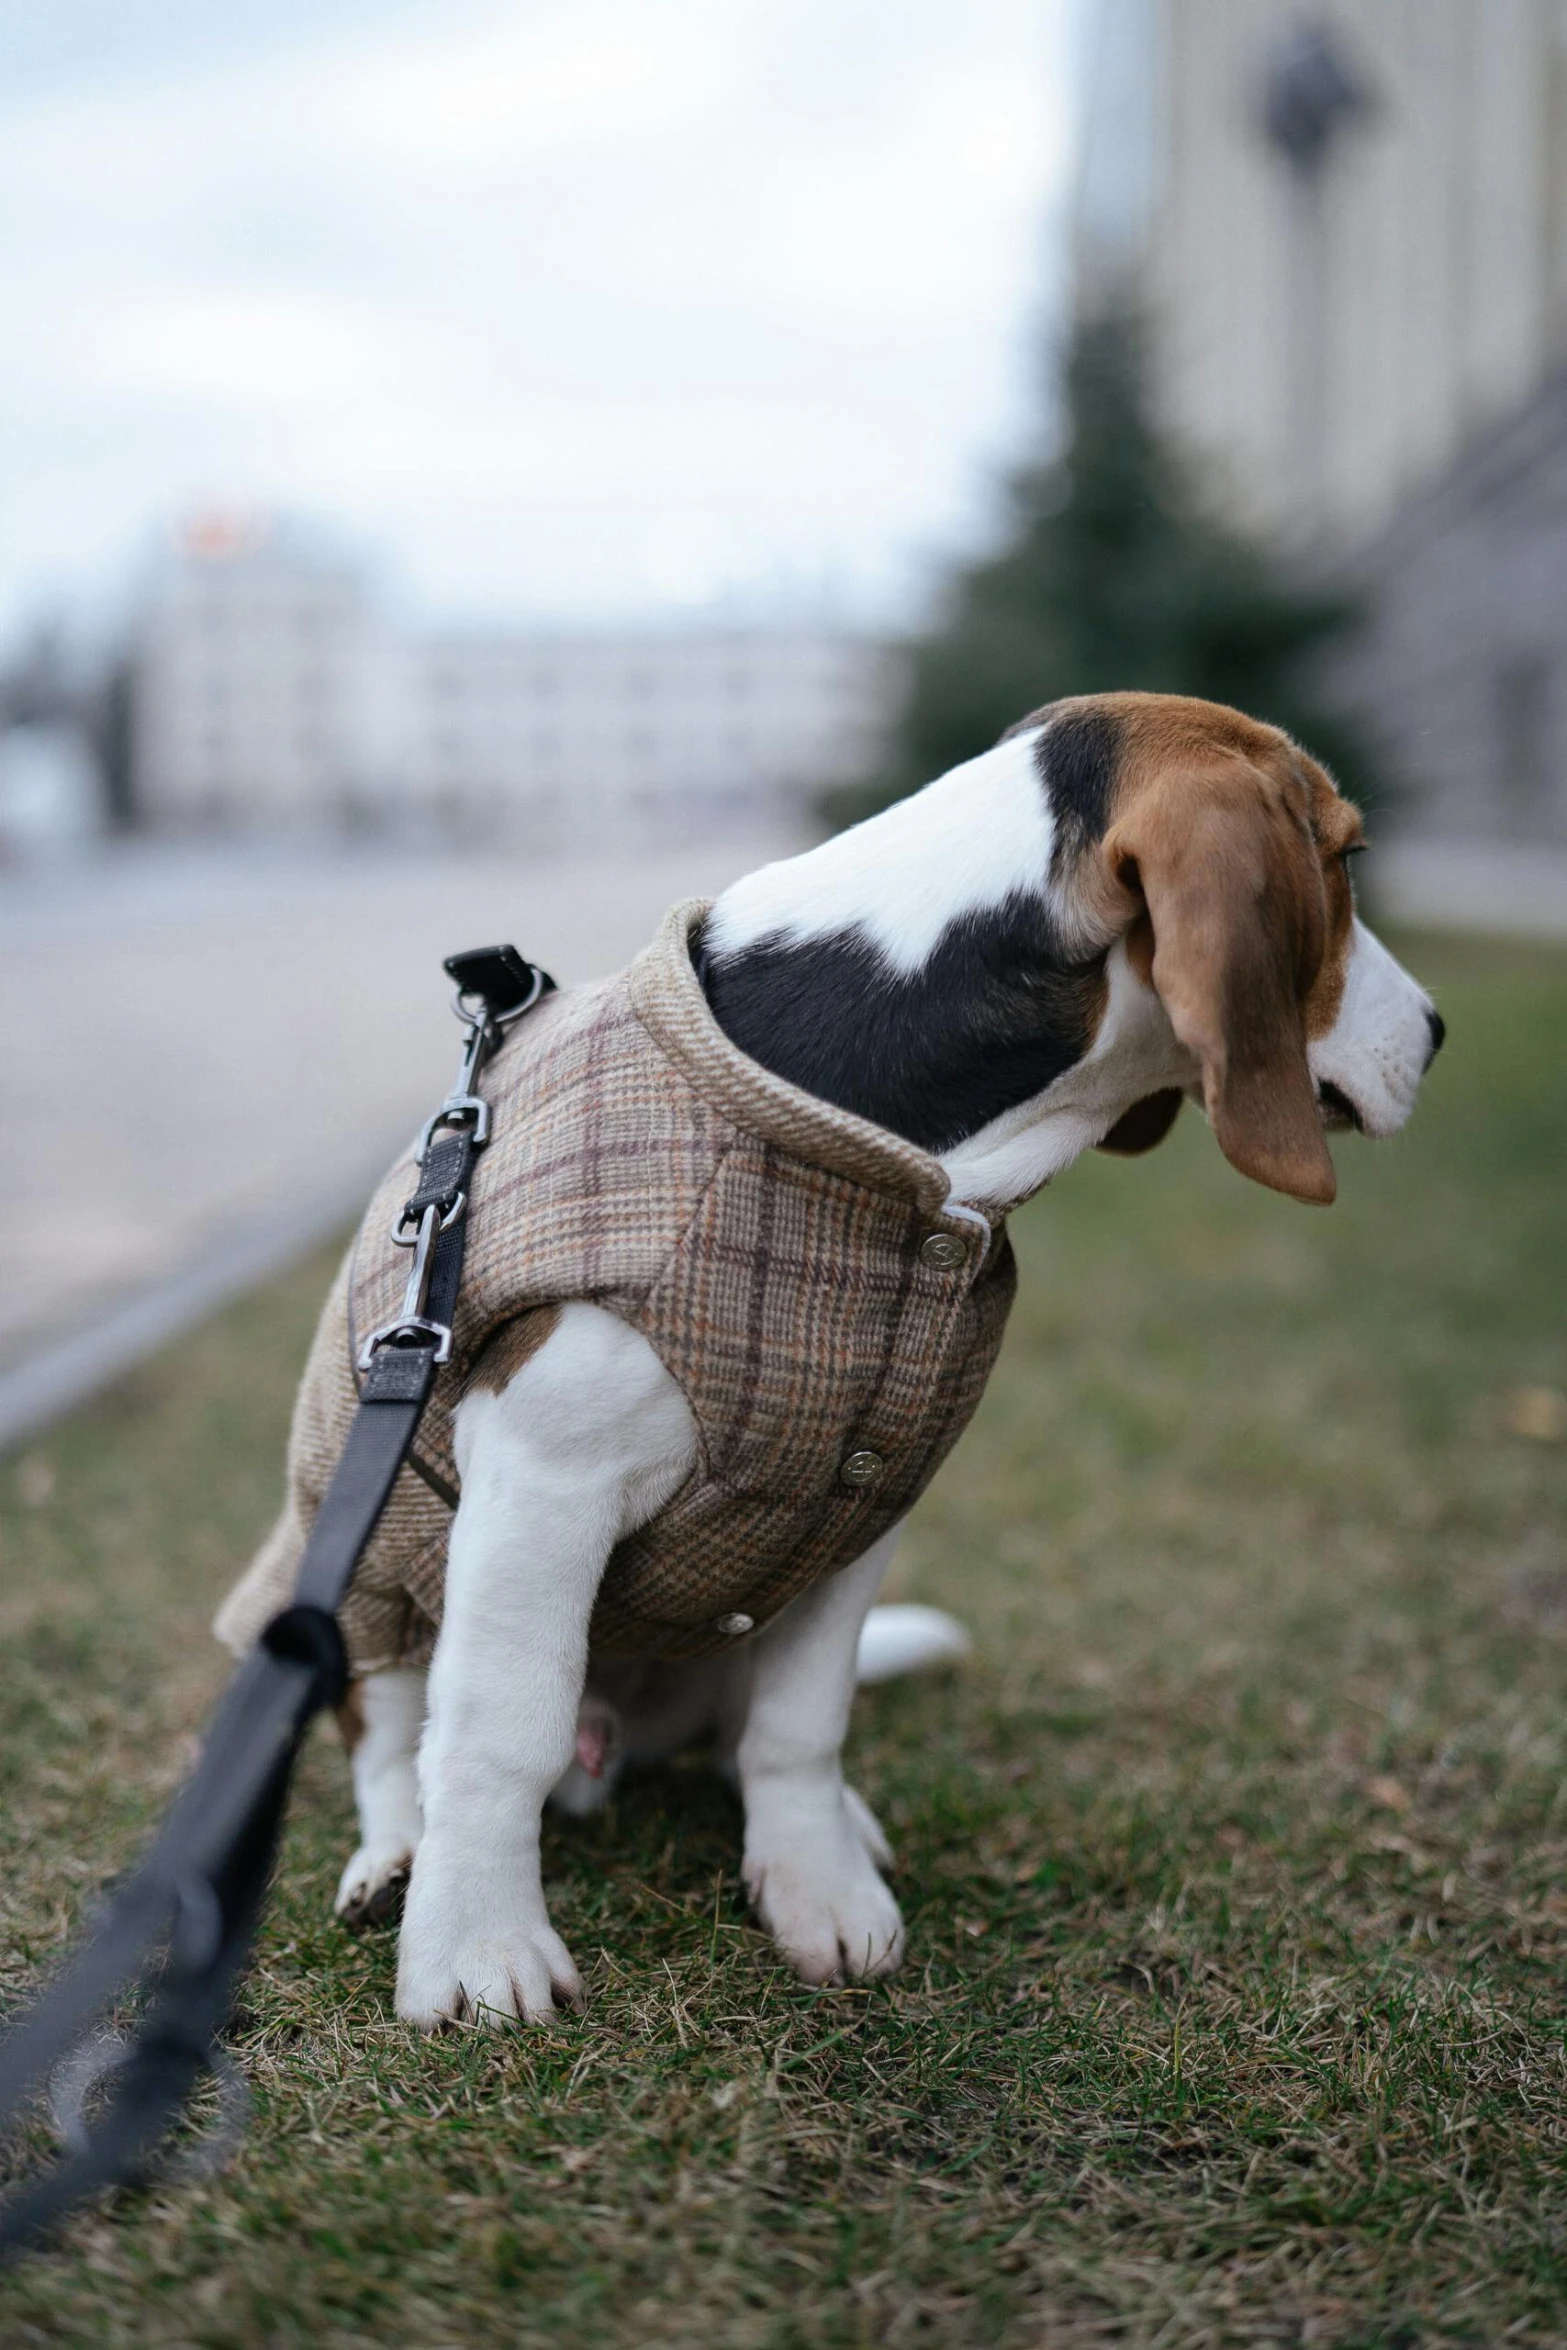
x,y
1218,852
1131,897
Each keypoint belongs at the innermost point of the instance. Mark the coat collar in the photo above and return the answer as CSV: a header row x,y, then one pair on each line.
x,y
667,998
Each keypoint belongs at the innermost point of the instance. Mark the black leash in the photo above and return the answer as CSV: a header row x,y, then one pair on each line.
x,y
180,1929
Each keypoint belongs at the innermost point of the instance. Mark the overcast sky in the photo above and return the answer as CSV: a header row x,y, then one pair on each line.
x,y
560,307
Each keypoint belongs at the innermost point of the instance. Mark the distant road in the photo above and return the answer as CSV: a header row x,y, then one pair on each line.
x,y
207,1056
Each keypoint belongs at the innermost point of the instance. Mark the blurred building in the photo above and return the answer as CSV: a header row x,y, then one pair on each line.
x,y
658,732
1357,209
51,791
1462,662
60,763
255,660
1348,226
273,693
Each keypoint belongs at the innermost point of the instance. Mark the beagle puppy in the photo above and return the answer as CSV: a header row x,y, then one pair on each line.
x,y
1131,900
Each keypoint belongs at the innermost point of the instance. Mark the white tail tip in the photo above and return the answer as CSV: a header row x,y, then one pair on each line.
x,y
909,1639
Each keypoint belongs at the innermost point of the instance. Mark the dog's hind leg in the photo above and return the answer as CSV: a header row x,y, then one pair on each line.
x,y
381,1719
813,1849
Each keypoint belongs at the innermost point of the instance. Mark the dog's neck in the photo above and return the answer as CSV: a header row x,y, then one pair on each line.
x,y
920,971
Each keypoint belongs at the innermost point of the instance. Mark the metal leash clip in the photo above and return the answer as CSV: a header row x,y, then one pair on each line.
x,y
495,986
462,1106
413,1325
405,1232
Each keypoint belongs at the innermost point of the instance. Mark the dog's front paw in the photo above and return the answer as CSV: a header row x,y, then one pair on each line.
x,y
478,1954
825,1905
370,1890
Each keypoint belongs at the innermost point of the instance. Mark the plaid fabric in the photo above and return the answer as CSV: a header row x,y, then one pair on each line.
x,y
767,1245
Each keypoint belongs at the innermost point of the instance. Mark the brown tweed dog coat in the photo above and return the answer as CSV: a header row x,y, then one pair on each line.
x,y
779,1255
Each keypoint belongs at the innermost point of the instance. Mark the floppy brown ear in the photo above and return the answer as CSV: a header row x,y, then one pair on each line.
x,y
1144,1124
1233,895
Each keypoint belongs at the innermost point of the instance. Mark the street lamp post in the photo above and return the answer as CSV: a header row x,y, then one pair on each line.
x,y
1311,93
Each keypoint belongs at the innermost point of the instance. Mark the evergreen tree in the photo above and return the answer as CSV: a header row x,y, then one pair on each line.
x,y
1111,574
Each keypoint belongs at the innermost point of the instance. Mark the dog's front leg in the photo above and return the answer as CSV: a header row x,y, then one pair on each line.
x,y
587,1440
813,1850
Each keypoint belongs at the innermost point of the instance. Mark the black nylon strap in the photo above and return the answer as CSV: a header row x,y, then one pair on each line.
x,y
380,1434
444,1175
398,1374
183,1923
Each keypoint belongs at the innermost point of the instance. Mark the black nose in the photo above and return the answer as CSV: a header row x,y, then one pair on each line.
x,y
1438,1028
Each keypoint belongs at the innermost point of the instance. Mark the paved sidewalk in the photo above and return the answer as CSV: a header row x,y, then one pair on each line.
x,y
207,1057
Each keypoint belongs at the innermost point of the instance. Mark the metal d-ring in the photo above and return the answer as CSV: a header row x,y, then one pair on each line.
x,y
465,999
415,1329
458,1106
402,1239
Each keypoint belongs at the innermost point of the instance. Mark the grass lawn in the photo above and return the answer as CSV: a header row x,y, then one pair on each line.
x,y
1235,1865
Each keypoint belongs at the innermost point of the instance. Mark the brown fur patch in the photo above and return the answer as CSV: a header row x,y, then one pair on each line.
x,y
351,1717
1337,831
1170,740
512,1346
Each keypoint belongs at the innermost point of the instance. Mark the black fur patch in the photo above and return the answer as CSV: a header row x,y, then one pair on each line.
x,y
1077,756
993,1016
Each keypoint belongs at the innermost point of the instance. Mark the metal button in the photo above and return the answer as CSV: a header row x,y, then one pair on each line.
x,y
862,1468
735,1627
944,1250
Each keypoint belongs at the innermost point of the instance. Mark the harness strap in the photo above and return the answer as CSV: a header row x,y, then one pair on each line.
x,y
180,1929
